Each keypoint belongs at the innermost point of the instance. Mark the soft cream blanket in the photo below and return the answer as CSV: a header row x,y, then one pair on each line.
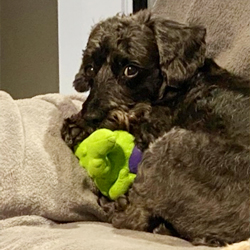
x,y
39,175
87,236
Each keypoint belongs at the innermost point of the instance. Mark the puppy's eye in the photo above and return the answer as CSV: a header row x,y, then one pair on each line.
x,y
89,71
130,71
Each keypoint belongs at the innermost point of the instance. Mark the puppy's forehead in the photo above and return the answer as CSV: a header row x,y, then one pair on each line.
x,y
121,35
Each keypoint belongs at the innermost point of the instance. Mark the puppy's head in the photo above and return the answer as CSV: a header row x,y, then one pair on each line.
x,y
132,59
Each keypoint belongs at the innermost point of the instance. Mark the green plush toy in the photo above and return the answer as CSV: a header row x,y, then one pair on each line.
x,y
111,159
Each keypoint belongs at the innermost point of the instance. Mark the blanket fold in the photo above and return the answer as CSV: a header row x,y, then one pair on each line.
x,y
39,175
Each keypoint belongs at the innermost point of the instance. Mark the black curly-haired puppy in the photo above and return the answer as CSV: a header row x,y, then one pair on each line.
x,y
149,76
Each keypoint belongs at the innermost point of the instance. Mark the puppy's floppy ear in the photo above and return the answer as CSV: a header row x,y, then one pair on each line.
x,y
80,84
181,50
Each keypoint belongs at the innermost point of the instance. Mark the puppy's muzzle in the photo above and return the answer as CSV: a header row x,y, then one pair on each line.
x,y
93,118
93,112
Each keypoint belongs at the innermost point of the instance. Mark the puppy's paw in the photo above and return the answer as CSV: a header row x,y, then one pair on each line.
x,y
162,229
121,203
208,241
72,133
108,206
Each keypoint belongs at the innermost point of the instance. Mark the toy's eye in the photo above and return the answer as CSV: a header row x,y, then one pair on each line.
x,y
130,71
89,71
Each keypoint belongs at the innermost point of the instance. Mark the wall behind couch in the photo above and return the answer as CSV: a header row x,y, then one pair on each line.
x,y
28,47
41,42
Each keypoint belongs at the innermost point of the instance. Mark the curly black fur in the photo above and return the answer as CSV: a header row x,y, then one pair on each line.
x,y
189,116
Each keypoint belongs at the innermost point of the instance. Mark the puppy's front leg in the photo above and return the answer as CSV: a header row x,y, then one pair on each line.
x,y
74,130
135,218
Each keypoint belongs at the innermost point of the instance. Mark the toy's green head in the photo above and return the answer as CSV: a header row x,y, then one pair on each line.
x,y
105,155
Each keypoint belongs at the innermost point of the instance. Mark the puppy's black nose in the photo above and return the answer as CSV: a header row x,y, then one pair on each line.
x,y
93,118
